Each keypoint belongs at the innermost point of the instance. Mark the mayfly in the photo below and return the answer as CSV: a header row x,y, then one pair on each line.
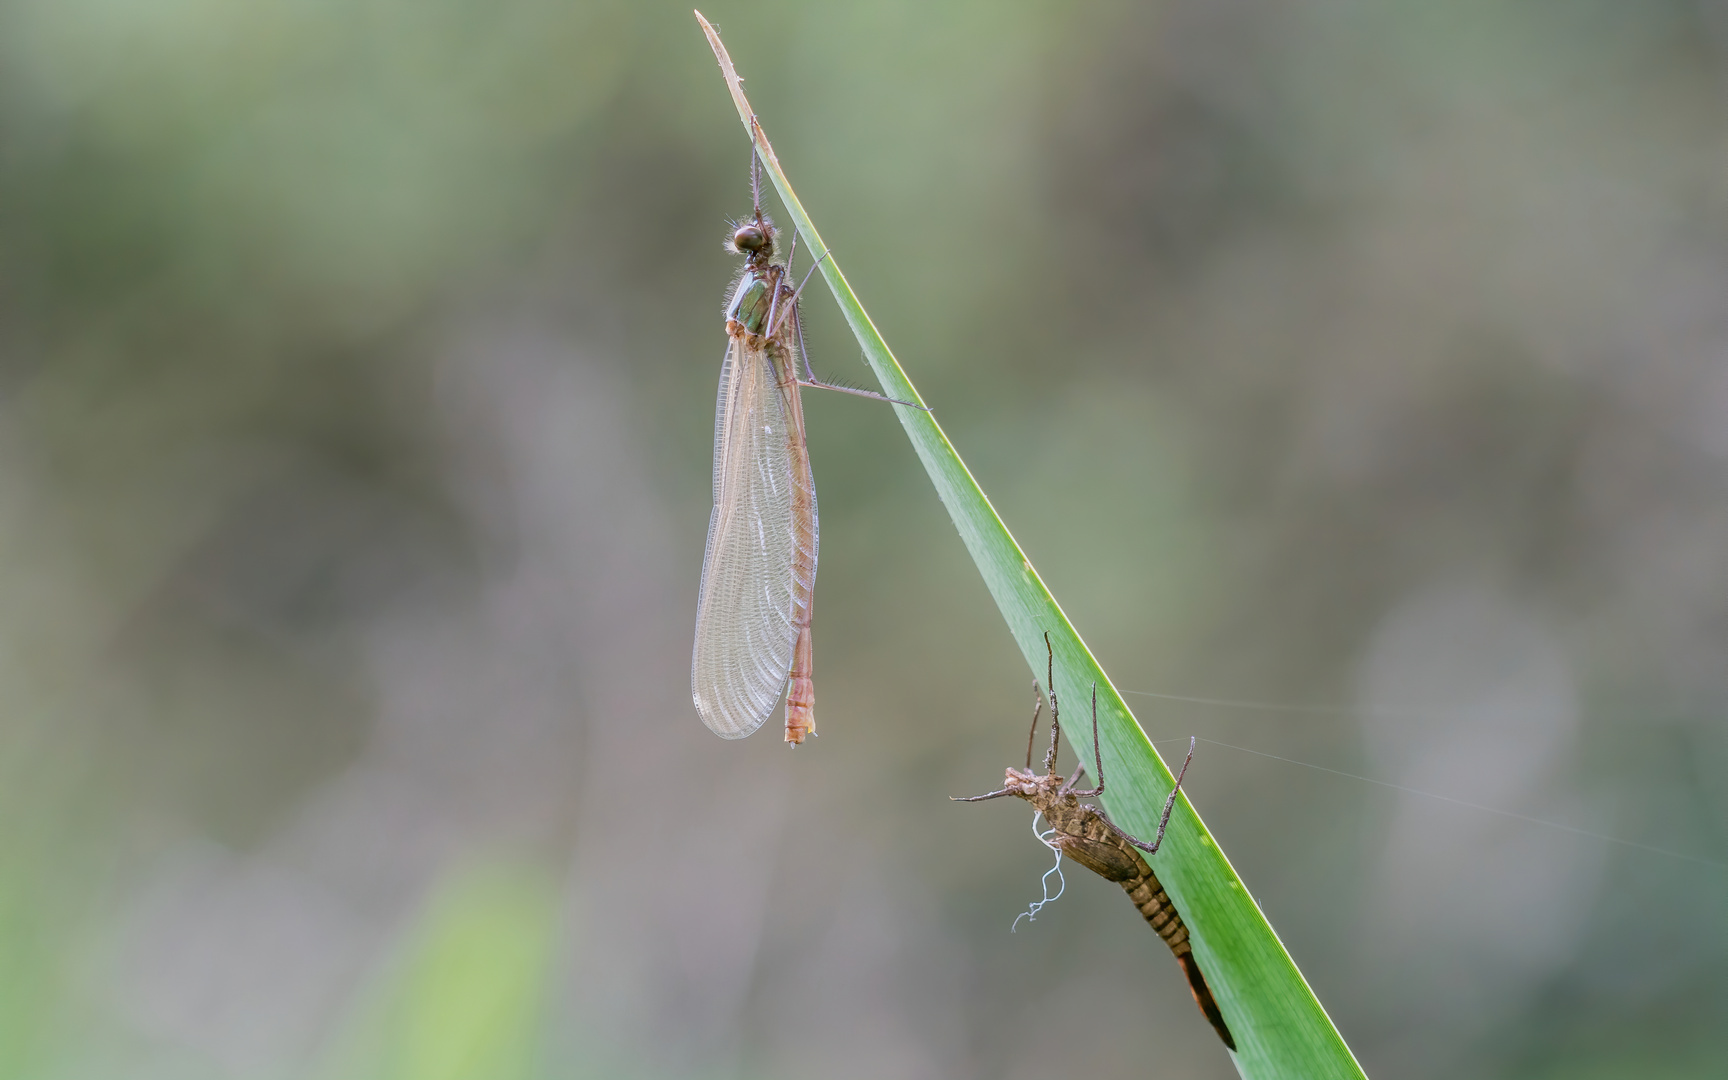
x,y
1085,835
759,570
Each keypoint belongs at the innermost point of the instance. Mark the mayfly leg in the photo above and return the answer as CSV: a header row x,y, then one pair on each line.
x,y
1037,708
814,383
810,378
1169,804
1163,820
771,326
1097,758
777,319
755,181
1055,707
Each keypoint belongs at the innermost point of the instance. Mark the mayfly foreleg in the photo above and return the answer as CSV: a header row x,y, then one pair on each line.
x,y
1037,709
1097,759
791,310
1055,709
777,278
1055,738
756,181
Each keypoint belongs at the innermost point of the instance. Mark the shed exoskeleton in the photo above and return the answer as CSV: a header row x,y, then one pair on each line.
x,y
1084,834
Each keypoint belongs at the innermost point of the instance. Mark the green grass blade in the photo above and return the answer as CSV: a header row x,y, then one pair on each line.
x,y
1280,1027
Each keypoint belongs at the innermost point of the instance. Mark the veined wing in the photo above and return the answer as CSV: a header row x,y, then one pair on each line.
x,y
744,618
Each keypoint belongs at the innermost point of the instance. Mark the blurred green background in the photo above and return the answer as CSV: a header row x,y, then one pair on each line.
x,y
357,365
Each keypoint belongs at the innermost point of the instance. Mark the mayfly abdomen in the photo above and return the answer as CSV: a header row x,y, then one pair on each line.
x,y
1154,904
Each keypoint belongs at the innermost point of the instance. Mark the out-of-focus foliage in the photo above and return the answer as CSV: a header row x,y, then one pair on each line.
x,y
469,998
357,365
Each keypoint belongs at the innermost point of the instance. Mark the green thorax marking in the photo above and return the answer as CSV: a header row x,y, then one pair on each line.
x,y
749,304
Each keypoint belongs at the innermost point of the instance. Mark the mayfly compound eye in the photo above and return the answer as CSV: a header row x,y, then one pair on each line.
x,y
749,239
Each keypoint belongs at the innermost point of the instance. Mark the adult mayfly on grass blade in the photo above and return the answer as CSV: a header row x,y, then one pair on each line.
x,y
759,571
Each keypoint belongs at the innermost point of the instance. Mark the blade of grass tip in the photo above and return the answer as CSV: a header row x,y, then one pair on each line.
x,y
1281,1029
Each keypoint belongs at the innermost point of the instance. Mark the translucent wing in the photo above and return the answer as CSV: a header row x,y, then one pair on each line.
x,y
744,617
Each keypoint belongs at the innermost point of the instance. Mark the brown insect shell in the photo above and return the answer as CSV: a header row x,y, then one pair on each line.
x,y
1082,834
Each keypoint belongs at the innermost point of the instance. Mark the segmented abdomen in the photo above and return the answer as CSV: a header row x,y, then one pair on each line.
x,y
1154,904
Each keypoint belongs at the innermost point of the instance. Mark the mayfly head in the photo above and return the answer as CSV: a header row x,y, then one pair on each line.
x,y
1028,785
754,239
